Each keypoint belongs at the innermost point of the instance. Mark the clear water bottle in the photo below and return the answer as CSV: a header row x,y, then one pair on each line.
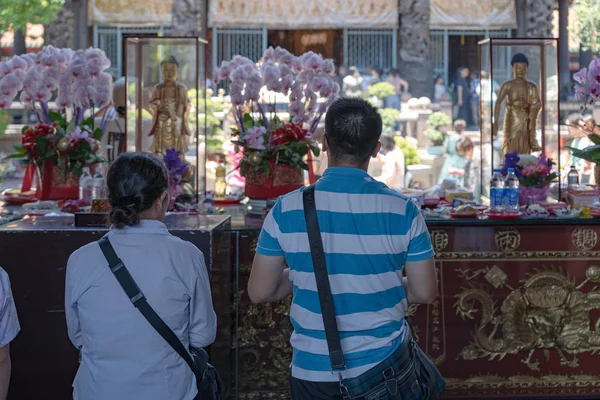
x,y
573,177
497,191
98,185
511,185
85,185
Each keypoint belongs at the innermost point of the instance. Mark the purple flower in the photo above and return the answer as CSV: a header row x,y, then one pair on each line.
x,y
581,76
580,92
171,159
510,161
175,166
594,90
255,138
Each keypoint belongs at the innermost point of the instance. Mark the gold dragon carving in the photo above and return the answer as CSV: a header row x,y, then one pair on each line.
x,y
548,311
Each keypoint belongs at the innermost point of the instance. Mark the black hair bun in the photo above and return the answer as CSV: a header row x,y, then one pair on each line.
x,y
134,181
121,216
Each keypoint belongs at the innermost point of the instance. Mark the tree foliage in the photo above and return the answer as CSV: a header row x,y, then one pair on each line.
x,y
588,15
16,14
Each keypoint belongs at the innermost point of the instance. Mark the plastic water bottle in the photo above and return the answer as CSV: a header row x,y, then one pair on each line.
x,y
98,185
573,177
497,192
511,185
85,185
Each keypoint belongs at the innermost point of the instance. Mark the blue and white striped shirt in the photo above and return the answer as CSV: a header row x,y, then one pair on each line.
x,y
369,232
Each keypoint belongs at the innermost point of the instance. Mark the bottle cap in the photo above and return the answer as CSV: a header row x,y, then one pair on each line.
x,y
496,170
85,169
511,170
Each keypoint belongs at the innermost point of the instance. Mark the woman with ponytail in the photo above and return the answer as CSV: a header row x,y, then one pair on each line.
x,y
122,356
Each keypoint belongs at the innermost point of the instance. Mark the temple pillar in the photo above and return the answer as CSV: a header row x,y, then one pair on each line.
x,y
563,53
60,32
538,15
413,55
80,9
189,17
521,8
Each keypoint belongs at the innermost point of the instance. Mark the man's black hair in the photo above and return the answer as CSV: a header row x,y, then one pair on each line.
x,y
519,58
352,127
387,142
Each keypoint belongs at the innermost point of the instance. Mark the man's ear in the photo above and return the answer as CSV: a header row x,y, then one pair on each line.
x,y
325,146
376,151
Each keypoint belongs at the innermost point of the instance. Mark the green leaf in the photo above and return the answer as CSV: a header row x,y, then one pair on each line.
x,y
56,117
17,13
42,146
23,129
594,139
303,165
88,122
97,134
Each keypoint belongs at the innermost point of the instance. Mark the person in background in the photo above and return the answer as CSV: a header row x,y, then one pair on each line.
x,y
454,161
375,76
439,89
580,141
487,90
393,165
463,97
341,74
474,84
115,140
469,177
400,86
353,84
9,328
371,234
367,78
122,355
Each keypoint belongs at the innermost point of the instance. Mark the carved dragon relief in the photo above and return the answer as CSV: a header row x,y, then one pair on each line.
x,y
548,311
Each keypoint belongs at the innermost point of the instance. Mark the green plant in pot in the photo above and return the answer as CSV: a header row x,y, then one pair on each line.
x,y
389,118
411,156
382,90
437,132
436,137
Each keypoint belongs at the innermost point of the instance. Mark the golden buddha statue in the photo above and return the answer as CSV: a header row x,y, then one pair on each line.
x,y
523,106
170,106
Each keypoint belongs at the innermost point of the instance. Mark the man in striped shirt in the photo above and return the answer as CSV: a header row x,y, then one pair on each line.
x,y
370,233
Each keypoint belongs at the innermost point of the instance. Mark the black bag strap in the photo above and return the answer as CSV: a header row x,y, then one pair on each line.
x,y
139,301
336,356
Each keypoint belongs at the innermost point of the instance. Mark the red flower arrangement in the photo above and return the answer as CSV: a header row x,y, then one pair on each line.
x,y
288,133
30,134
287,144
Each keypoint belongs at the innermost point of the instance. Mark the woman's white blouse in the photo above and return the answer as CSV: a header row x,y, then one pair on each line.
x,y
122,356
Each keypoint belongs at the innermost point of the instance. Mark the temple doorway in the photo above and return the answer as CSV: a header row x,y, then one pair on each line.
x,y
327,42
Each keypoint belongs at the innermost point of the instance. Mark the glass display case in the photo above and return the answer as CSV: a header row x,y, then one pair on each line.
x,y
520,103
165,79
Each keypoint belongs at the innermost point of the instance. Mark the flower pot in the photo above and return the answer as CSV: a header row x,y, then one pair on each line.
x,y
282,179
435,150
533,195
51,184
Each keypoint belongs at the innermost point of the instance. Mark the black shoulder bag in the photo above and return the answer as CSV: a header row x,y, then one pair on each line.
x,y
210,385
407,373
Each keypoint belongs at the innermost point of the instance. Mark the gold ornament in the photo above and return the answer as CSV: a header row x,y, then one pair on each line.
x,y
188,174
548,311
96,146
439,239
187,189
63,144
255,158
